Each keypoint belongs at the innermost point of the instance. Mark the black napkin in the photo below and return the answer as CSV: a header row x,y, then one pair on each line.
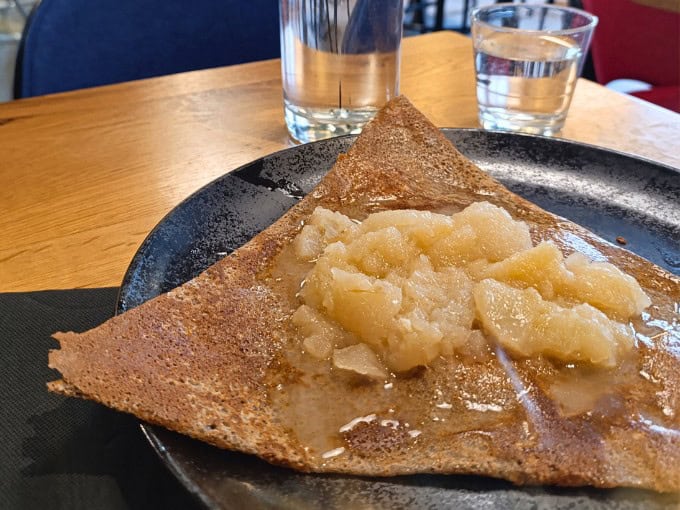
x,y
58,452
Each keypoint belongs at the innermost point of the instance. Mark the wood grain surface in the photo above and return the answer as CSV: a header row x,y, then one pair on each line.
x,y
85,175
668,5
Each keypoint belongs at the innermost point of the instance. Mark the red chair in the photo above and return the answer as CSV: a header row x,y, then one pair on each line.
x,y
638,42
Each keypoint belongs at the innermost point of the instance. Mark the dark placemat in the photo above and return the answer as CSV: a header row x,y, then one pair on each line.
x,y
58,452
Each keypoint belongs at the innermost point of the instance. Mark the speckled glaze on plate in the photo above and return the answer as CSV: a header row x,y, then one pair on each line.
x,y
612,194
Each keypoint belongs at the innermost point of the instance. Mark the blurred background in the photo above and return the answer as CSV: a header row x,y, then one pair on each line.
x,y
643,62
420,16
13,14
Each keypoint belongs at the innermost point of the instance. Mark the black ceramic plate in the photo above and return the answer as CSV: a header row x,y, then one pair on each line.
x,y
610,193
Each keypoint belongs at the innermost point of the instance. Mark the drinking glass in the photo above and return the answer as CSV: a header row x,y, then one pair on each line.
x,y
527,61
339,63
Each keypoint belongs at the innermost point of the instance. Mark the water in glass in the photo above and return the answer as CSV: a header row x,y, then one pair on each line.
x,y
525,82
340,63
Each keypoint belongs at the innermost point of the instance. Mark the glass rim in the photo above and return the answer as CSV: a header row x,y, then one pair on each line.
x,y
592,19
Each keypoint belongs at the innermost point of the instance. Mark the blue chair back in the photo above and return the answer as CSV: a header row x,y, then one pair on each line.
x,y
72,44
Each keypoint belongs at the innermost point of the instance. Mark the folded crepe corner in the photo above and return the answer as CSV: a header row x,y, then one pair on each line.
x,y
206,358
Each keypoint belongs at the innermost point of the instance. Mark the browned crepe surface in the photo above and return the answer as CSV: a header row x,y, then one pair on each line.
x,y
218,359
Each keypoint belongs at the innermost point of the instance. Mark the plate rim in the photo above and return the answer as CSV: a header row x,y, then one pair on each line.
x,y
149,430
560,141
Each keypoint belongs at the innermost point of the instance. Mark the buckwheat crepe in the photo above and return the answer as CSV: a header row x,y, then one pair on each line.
x,y
218,358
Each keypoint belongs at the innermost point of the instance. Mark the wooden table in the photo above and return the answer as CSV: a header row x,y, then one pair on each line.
x,y
668,5
84,176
